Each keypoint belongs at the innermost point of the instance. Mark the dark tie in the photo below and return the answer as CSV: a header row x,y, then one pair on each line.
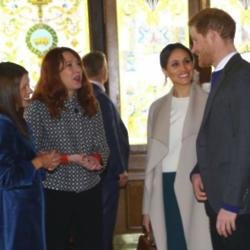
x,y
214,76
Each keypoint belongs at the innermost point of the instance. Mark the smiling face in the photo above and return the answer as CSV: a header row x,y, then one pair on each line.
x,y
179,67
25,90
202,47
71,72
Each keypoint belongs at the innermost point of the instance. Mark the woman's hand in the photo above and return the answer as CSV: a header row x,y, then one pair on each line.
x,y
91,163
146,223
48,160
88,161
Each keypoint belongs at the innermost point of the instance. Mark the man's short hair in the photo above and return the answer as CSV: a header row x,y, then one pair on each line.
x,y
93,63
214,19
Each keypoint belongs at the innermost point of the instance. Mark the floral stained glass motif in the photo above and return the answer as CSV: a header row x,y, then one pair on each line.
x,y
29,28
240,11
144,28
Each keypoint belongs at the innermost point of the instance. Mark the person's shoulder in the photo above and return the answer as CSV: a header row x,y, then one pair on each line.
x,y
206,86
160,101
5,119
6,123
237,64
202,89
104,99
36,105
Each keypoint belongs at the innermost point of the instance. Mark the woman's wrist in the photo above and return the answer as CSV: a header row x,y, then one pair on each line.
x,y
97,156
64,159
37,163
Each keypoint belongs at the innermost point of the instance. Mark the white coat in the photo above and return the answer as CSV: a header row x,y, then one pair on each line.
x,y
194,218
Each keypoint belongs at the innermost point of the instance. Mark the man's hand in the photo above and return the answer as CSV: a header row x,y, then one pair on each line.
x,y
199,193
123,179
225,223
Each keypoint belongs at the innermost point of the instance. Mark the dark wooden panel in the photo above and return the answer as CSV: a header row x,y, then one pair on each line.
x,y
194,7
130,202
134,204
96,25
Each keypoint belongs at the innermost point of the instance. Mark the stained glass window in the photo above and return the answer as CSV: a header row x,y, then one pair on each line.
x,y
240,11
29,28
144,28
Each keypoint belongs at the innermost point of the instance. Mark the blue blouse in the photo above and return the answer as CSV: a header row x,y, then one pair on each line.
x,y
21,193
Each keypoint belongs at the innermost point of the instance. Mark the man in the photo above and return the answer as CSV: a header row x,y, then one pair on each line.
x,y
221,177
117,138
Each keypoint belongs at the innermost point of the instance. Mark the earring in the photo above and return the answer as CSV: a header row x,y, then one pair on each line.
x,y
165,80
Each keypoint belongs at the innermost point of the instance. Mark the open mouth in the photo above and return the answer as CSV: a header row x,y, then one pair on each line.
x,y
77,78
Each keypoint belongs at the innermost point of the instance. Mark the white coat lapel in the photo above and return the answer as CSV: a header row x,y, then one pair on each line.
x,y
194,112
160,133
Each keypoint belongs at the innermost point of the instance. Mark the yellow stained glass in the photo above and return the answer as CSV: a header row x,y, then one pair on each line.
x,y
240,11
28,28
144,28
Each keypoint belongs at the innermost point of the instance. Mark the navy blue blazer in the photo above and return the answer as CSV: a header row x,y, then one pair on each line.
x,y
223,143
116,135
21,192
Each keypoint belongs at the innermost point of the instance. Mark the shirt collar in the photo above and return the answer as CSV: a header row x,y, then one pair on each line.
x,y
101,86
224,61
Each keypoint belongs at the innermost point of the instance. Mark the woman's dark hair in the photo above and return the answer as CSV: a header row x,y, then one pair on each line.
x,y
167,51
10,78
50,89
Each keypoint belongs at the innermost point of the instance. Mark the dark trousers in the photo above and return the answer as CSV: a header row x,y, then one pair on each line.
x,y
239,240
110,195
76,214
175,233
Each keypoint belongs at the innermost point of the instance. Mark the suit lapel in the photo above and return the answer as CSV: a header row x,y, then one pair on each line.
x,y
212,94
220,82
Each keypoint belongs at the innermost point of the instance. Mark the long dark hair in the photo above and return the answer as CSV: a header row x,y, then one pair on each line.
x,y
10,78
167,51
51,91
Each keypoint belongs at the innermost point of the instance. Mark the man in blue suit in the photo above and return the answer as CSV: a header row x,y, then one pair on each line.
x,y
117,138
221,177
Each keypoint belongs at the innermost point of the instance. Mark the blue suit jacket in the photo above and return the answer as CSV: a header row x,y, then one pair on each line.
x,y
223,143
116,135
21,192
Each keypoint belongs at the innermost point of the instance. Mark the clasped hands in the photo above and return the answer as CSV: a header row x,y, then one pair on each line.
x,y
225,222
50,160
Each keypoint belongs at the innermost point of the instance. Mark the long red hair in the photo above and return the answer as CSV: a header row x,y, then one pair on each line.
x,y
51,90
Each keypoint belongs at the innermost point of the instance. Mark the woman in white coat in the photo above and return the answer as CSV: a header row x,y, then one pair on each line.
x,y
170,210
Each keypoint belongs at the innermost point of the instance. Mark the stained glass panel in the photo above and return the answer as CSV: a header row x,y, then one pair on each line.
x,y
144,28
28,28
240,11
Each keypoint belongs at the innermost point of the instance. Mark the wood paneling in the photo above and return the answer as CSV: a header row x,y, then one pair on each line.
x,y
96,25
112,50
134,194
129,216
194,7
